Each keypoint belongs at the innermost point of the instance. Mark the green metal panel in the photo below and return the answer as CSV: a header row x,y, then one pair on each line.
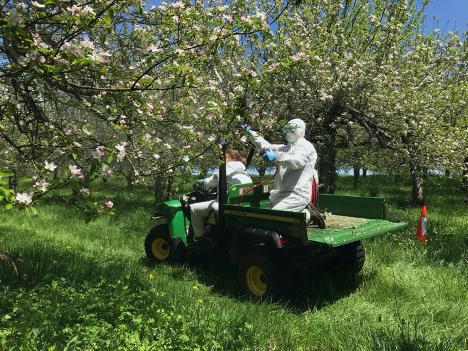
x,y
254,198
353,206
289,224
178,224
338,237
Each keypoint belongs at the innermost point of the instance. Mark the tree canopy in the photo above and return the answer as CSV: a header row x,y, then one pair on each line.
x,y
125,87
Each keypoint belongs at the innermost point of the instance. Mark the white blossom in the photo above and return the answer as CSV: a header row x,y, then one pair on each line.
x,y
24,198
49,166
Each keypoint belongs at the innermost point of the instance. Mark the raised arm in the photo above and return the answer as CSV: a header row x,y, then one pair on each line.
x,y
301,156
261,143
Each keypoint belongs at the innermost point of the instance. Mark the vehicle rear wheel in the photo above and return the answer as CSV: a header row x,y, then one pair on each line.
x,y
352,256
160,247
260,276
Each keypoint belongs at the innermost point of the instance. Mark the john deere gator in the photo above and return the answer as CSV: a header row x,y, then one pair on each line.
x,y
268,245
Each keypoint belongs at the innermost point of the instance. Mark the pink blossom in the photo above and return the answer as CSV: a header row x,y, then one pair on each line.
x,y
109,204
74,170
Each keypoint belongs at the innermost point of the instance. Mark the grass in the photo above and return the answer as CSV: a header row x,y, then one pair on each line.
x,y
67,284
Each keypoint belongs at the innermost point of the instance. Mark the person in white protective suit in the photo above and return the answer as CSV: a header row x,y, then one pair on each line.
x,y
235,174
296,180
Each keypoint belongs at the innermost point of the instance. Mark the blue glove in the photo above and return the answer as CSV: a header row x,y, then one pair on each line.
x,y
269,155
247,128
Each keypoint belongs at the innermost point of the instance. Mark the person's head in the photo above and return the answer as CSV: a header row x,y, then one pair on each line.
x,y
234,155
294,130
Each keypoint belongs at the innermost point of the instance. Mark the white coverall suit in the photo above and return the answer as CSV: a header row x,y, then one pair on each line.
x,y
235,174
292,189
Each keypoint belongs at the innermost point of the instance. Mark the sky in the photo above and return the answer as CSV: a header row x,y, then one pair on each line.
x,y
452,15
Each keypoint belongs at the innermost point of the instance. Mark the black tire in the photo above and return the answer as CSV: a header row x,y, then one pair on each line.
x,y
160,247
352,257
261,276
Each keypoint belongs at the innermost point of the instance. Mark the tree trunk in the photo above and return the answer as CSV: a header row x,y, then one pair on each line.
x,y
162,188
364,172
397,178
356,170
417,182
327,163
465,175
425,172
129,180
12,181
261,170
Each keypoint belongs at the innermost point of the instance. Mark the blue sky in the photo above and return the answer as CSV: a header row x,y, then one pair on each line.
x,y
455,12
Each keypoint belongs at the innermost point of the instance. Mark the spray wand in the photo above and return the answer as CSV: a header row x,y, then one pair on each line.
x,y
249,130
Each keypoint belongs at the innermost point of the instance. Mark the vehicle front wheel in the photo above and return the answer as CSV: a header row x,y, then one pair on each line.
x,y
261,276
160,247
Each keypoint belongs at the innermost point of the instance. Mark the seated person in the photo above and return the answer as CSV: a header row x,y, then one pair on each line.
x,y
235,174
294,182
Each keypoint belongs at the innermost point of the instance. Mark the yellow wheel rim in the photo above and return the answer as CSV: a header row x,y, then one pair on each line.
x,y
256,281
160,249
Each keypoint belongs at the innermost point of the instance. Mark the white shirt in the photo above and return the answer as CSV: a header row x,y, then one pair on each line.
x,y
235,174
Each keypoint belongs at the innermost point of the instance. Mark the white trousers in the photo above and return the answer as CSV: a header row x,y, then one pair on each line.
x,y
198,212
293,206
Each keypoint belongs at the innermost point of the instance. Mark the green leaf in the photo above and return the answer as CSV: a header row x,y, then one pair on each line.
x,y
5,173
34,211
6,192
44,51
8,206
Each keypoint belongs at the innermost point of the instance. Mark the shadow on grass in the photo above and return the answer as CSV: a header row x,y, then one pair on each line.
x,y
40,263
323,287
311,290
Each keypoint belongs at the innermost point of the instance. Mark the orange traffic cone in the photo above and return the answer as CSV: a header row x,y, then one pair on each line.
x,y
422,227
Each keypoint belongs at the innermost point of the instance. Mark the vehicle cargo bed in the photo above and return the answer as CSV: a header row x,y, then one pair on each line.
x,y
343,229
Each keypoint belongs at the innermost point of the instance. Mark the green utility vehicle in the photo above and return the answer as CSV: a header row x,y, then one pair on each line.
x,y
268,245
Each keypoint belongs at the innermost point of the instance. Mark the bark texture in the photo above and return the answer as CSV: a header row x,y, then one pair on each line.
x,y
465,175
417,184
356,170
162,188
327,164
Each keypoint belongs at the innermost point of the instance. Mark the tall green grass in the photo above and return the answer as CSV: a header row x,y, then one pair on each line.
x,y
73,285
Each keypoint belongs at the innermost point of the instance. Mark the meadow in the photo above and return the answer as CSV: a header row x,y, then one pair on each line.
x,y
70,285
